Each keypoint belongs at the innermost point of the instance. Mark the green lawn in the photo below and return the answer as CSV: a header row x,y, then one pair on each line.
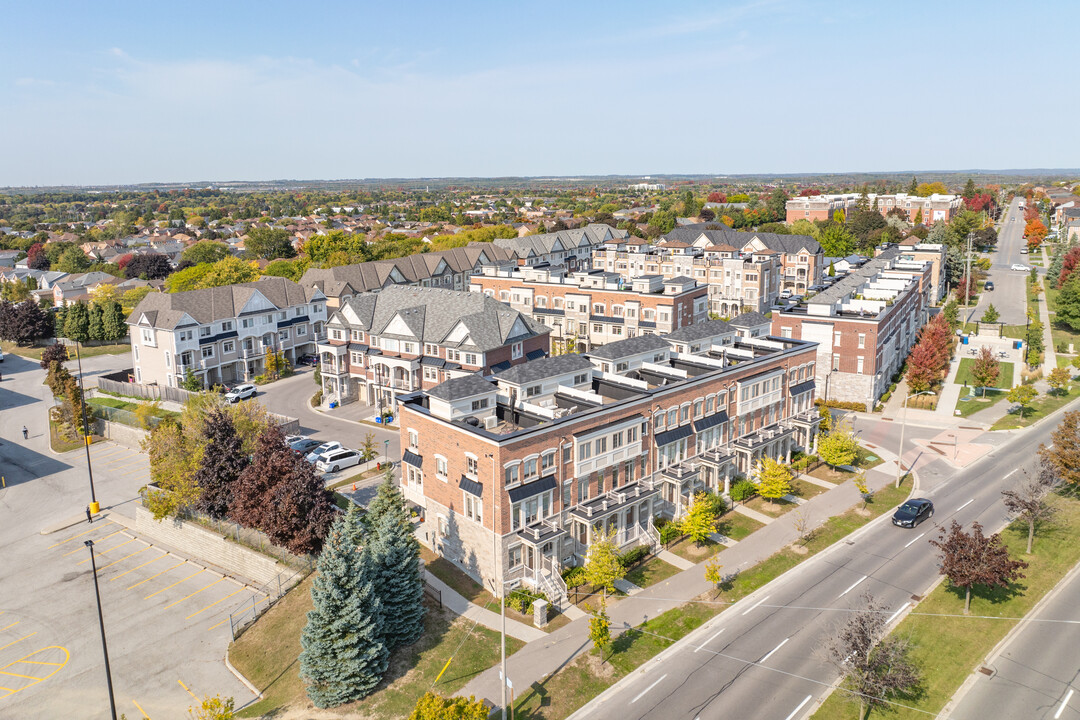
x,y
964,376
772,508
651,572
804,489
34,353
267,655
687,549
1016,332
737,526
864,460
968,406
948,649
1042,406
131,407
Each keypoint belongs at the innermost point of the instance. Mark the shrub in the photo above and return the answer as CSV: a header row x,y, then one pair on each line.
x,y
634,556
574,576
803,463
743,490
316,399
842,405
521,599
259,380
670,533
1063,348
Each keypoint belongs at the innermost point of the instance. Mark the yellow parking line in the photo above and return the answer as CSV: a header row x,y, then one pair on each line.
x,y
19,640
214,603
163,554
76,536
124,558
123,464
201,570
10,626
194,593
131,587
218,625
186,688
25,677
72,552
141,710
104,552
38,662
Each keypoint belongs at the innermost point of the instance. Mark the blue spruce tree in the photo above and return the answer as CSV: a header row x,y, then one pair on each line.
x,y
344,655
396,555
388,500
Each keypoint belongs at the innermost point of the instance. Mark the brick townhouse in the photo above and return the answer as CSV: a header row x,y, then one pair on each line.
x,y
935,208
593,307
519,472
864,325
382,345
222,334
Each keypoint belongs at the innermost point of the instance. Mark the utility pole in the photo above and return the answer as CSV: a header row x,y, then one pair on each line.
x,y
967,287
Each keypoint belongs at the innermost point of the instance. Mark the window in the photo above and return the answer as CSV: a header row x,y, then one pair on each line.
x,y
658,421
557,303
269,318
567,453
282,316
135,349
168,363
622,366
836,338
247,323
337,335
208,351
226,326
673,417
430,349
684,413
616,441
415,478
440,467
148,336
470,359
357,336
228,346
581,379
430,373
862,340
835,362
474,507
356,358
414,439
471,466
598,328
547,461
584,451
567,487
408,348
515,556
601,445
859,365
631,435
598,308
698,405
513,474
532,391
205,331
710,402
479,404
298,311
283,334
531,470
515,351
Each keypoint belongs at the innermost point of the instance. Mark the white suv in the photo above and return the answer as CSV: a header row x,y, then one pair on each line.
x,y
240,392
338,459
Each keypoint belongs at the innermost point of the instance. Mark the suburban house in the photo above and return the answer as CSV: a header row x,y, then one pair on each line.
x,y
518,473
382,345
572,248
78,286
222,334
863,325
932,209
594,307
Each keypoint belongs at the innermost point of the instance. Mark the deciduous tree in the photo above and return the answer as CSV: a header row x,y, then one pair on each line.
x,y
1059,380
602,566
773,479
970,559
214,708
24,322
174,460
600,629
77,322
986,369
700,520
1063,453
436,707
839,447
222,462
1028,501
205,251
1022,394
57,352
269,243
149,266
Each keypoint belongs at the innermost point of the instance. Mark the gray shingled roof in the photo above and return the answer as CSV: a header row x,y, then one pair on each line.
x,y
462,387
432,313
749,319
696,331
165,310
738,239
541,369
629,346
589,236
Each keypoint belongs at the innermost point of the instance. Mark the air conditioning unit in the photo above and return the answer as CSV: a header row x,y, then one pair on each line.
x,y
490,422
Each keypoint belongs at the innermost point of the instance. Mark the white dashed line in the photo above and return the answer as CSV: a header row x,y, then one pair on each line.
x,y
853,585
715,635
769,655
800,707
755,606
893,616
642,693
1064,702
965,505
913,541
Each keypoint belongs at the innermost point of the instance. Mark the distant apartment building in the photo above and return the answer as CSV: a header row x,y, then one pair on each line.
x,y
572,248
594,307
913,250
928,210
382,345
518,474
863,325
222,334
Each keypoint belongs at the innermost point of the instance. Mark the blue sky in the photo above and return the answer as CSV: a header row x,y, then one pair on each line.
x,y
126,92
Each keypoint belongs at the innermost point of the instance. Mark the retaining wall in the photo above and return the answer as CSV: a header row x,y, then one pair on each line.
x,y
120,434
203,544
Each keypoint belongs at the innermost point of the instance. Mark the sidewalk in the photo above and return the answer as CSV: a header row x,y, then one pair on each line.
x,y
458,605
537,660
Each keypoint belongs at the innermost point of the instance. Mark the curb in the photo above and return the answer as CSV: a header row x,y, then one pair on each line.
x,y
247,683
73,521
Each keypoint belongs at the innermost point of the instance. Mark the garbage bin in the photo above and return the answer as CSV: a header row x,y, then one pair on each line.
x,y
1018,344
965,339
333,404
378,419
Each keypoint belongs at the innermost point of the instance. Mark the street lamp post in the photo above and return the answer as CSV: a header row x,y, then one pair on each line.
x,y
101,623
94,505
497,553
386,451
903,427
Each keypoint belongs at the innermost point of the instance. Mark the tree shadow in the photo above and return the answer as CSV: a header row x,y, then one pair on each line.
x,y
994,595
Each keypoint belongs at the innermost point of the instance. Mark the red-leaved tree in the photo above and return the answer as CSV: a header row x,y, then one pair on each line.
x,y
965,289
123,260
717,197
922,369
1068,264
974,559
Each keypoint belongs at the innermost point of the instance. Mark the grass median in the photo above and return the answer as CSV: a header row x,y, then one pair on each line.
x,y
947,646
1039,408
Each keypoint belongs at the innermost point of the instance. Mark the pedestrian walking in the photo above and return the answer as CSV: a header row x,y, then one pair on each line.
x,y
89,517
25,433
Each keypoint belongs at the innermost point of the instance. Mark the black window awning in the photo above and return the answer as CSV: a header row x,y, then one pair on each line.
x,y
669,436
711,421
802,387
412,459
534,488
534,354
471,486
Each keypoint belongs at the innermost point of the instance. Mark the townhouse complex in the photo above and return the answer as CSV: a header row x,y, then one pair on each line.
x,y
932,209
518,473
864,324
222,335
379,346
572,248
592,307
745,272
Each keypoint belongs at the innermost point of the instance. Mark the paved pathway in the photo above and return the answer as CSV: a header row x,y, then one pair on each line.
x,y
723,540
816,481
751,513
673,559
460,606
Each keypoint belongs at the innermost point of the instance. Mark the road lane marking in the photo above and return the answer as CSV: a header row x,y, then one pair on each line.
x,y
102,539
19,640
77,536
186,688
852,587
773,650
642,693
913,541
1064,702
715,635
132,587
124,558
1009,475
201,570
163,554
214,603
141,710
755,606
103,552
194,593
800,707
10,626
965,505
893,616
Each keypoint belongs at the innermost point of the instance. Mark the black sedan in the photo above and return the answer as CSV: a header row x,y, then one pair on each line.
x,y
913,512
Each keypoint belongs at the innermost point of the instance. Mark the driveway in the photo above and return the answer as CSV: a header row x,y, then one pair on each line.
x,y
1009,295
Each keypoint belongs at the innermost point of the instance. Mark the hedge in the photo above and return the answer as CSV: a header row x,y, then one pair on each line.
x,y
842,405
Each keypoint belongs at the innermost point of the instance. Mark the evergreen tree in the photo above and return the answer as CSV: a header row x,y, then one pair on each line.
x,y
396,555
112,322
914,186
77,322
222,462
59,320
388,500
344,656
95,330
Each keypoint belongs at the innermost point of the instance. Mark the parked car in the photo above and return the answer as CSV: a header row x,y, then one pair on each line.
x,y
315,455
309,359
304,445
1,356
988,285
240,392
1023,251
337,459
913,512
1021,268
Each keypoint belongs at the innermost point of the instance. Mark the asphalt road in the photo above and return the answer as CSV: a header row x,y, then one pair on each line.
x,y
764,661
1009,295
1037,671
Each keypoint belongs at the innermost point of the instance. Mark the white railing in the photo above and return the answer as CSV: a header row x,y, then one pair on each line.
x,y
654,534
